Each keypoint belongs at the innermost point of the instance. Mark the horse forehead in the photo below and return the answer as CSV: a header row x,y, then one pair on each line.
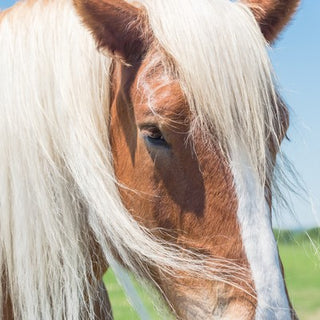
x,y
157,92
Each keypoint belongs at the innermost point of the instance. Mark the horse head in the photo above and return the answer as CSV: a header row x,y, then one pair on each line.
x,y
189,111
181,172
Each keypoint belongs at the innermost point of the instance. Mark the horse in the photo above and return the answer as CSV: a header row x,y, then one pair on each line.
x,y
140,136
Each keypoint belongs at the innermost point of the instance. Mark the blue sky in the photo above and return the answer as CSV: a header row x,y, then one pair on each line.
x,y
296,59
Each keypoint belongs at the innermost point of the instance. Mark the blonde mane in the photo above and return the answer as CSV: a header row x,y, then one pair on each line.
x,y
222,61
58,193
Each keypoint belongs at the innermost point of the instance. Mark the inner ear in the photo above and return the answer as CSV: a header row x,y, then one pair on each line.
x,y
272,15
118,27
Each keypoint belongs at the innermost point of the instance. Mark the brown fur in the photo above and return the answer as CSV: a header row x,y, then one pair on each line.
x,y
272,15
180,190
117,26
7,307
184,188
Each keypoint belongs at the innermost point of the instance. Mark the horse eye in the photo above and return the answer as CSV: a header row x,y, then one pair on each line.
x,y
154,136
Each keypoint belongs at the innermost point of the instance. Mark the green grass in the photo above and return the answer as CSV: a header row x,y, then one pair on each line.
x,y
121,308
302,271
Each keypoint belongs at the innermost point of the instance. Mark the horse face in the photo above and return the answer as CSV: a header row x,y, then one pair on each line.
x,y
177,184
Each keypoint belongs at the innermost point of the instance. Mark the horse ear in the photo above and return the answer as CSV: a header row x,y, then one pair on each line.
x,y
272,15
117,26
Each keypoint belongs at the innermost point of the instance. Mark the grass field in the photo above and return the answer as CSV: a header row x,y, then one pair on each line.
x,y
302,269
120,306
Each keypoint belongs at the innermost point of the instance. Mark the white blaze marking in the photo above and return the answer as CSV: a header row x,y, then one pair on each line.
x,y
259,243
